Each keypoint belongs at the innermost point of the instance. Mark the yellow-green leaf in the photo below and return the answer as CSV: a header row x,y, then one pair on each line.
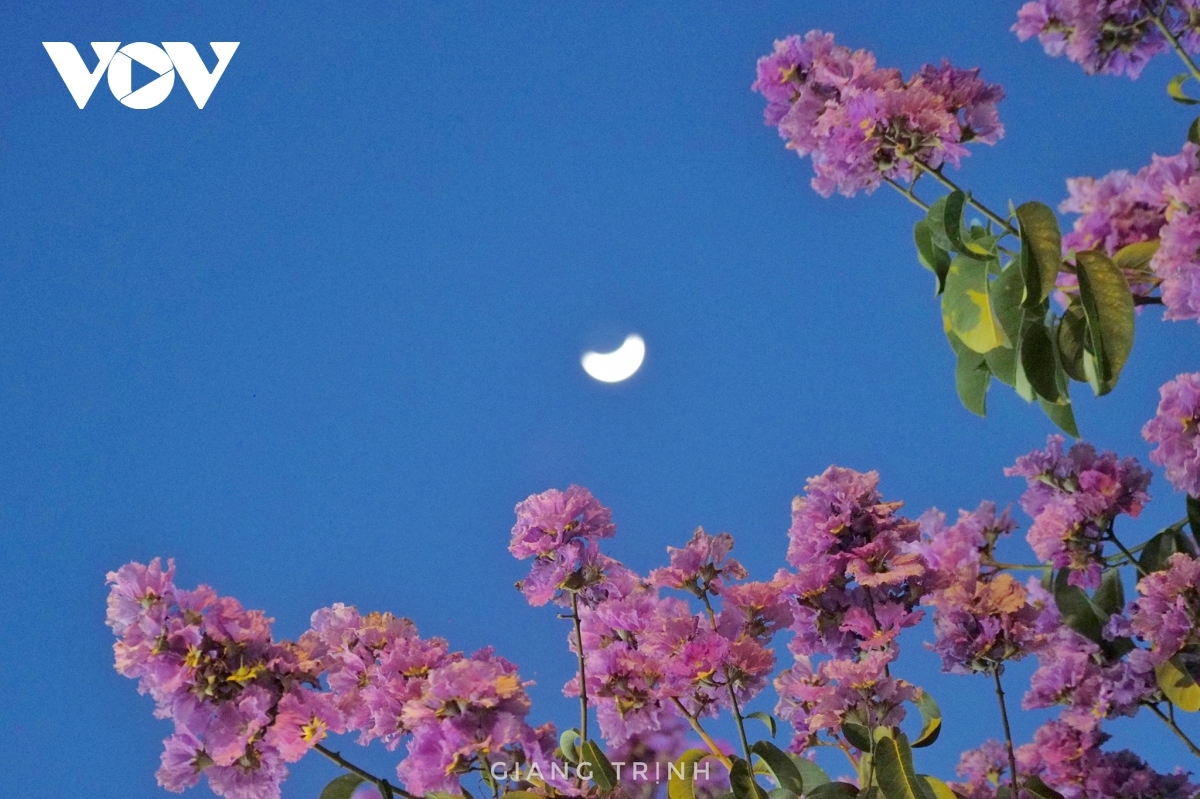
x,y
1041,251
931,720
967,306
1136,257
341,787
940,789
894,771
1109,312
1178,685
1175,90
680,779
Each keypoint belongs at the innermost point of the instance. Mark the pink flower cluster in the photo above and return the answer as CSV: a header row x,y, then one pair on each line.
x,y
857,585
862,124
1073,498
1159,202
243,705
1175,428
982,616
1165,615
1111,37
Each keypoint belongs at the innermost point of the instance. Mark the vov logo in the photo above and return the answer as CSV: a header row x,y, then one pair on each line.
x,y
165,61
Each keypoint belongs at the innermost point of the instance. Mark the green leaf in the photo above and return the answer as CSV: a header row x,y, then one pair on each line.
x,y
680,779
1072,338
765,718
931,256
1039,362
1109,312
940,789
945,220
1175,90
1034,785
894,769
341,787
568,744
1193,514
1159,549
858,736
971,377
1136,257
833,790
1178,685
783,770
931,719
603,773
1041,251
1077,609
1110,596
515,795
741,780
967,306
812,775
1061,415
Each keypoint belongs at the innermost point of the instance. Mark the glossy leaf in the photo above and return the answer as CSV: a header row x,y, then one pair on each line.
x,y
1193,134
858,736
680,780
1109,311
1178,685
1175,90
967,306
1061,415
894,769
1077,609
945,218
1041,251
1110,596
931,256
766,718
1136,257
782,769
568,744
1035,787
1006,292
812,775
516,795
1159,549
741,781
931,720
1039,362
940,789
341,787
971,379
833,790
1072,339
603,773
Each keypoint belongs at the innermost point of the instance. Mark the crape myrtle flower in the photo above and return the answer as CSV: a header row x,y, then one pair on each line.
x,y
559,529
820,699
1165,614
1077,674
1110,37
243,704
1073,498
1177,261
858,581
1175,428
862,124
701,567
982,617
1070,761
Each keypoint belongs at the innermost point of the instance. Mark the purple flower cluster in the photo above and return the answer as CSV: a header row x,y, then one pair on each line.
x,y
1110,37
982,617
1165,615
1175,428
857,585
1159,202
243,705
390,684
862,124
559,529
700,566
1073,498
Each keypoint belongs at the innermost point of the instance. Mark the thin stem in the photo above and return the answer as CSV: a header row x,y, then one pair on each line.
x,y
386,788
583,703
1147,300
704,736
1024,567
983,209
1112,536
1170,722
1176,46
1012,755
908,192
733,703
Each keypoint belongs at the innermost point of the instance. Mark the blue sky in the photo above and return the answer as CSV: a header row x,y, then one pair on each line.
x,y
317,339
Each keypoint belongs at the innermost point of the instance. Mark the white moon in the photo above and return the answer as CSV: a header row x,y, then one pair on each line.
x,y
618,365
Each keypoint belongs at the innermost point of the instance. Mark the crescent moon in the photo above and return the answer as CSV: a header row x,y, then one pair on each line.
x,y
618,365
